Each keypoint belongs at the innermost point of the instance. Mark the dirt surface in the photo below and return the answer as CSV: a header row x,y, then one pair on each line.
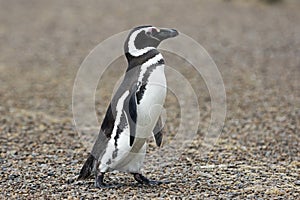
x,y
255,46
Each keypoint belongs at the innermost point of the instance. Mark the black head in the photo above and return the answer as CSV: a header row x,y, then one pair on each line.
x,y
144,38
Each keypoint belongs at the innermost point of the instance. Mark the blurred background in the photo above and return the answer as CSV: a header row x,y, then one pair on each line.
x,y
255,44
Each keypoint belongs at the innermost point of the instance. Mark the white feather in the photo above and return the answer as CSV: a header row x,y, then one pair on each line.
x,y
119,110
147,64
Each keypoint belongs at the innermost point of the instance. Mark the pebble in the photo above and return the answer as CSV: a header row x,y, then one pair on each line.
x,y
255,157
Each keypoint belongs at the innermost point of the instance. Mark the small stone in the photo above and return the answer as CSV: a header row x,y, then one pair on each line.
x,y
70,180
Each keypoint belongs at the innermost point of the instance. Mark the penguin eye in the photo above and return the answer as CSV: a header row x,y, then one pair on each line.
x,y
151,31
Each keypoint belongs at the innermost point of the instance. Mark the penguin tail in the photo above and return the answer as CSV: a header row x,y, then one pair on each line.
x,y
87,168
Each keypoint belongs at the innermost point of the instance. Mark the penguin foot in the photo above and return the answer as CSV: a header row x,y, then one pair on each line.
x,y
99,182
143,180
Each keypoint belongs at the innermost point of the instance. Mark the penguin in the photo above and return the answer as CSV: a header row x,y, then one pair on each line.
x,y
133,114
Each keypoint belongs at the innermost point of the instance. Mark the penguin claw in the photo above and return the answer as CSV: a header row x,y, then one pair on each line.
x,y
143,180
99,183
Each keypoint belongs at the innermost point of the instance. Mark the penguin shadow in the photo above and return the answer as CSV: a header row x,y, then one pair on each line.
x,y
122,185
161,184
115,184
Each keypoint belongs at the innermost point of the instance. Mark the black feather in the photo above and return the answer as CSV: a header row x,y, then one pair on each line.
x,y
87,168
133,117
158,132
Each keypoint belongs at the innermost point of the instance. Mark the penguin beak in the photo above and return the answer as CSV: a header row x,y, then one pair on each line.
x,y
164,33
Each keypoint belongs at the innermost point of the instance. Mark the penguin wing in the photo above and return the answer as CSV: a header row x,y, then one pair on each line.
x,y
130,108
133,116
158,132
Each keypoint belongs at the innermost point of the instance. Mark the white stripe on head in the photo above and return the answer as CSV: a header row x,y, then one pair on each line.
x,y
131,46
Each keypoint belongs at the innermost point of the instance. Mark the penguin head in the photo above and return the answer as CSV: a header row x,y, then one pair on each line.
x,y
144,38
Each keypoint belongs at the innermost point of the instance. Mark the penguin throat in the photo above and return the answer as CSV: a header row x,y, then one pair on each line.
x,y
134,61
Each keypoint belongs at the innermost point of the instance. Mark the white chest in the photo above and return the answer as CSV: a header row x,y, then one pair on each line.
x,y
151,104
156,89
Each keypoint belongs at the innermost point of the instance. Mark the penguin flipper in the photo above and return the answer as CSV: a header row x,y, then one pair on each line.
x,y
158,132
132,110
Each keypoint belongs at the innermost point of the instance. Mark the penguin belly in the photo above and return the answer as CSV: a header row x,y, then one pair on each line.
x,y
128,158
151,104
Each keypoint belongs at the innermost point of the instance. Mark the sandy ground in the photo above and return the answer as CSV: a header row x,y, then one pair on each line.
x,y
255,46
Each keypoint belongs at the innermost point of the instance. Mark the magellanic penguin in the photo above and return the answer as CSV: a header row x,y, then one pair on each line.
x,y
133,115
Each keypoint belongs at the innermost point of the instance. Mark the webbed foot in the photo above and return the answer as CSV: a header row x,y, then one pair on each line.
x,y
143,180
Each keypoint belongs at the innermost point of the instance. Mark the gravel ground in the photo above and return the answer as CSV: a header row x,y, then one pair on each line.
x,y
256,47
